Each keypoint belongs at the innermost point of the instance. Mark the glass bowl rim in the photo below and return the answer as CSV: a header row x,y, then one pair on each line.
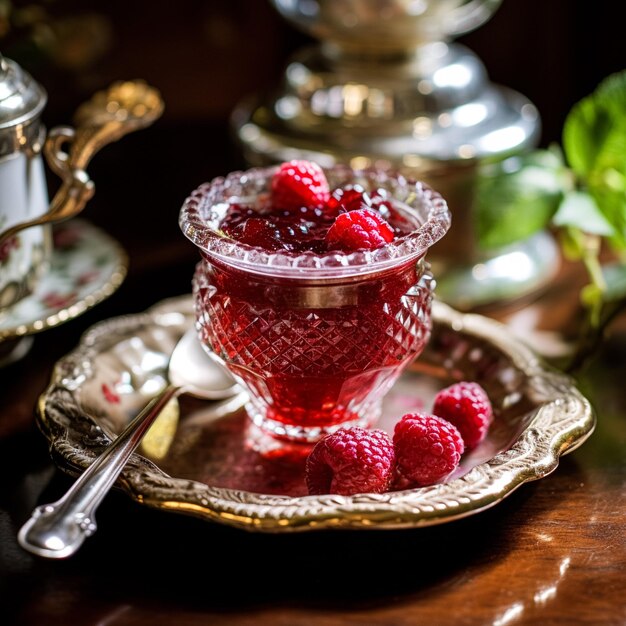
x,y
200,224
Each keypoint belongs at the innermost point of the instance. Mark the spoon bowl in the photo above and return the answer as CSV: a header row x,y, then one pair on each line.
x,y
58,529
198,371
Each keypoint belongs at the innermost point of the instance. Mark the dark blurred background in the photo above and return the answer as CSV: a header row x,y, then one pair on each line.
x,y
205,55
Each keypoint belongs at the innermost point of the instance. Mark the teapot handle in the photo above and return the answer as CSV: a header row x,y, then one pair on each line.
x,y
77,188
105,118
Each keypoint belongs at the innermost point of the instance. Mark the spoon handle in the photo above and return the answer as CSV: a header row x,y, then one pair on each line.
x,y
58,529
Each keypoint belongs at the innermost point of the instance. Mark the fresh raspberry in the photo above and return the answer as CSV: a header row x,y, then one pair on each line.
x,y
467,406
357,230
427,449
299,183
351,460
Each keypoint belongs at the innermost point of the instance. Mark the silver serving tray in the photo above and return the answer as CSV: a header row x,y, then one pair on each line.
x,y
220,469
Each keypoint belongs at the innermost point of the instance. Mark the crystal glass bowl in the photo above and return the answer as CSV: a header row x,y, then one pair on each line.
x,y
317,339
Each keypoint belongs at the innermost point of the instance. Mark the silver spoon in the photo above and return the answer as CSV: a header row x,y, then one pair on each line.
x,y
58,529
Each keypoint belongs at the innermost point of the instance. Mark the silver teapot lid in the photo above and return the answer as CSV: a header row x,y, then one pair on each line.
x,y
21,101
21,97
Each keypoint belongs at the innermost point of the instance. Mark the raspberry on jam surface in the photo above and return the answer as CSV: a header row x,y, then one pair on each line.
x,y
363,229
299,184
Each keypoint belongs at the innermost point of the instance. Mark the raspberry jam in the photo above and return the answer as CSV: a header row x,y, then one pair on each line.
x,y
318,334
314,353
307,228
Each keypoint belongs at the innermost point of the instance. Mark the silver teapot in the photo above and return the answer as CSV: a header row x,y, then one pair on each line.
x,y
26,215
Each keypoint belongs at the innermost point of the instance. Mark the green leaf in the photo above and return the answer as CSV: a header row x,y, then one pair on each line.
x,y
611,92
580,210
517,198
612,203
594,134
585,133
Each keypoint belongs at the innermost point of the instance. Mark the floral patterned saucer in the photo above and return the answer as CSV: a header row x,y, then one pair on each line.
x,y
87,267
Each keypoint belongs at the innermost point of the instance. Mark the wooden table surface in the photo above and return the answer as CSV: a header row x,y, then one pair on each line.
x,y
554,552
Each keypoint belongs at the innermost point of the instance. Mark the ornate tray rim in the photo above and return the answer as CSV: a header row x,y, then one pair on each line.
x,y
557,428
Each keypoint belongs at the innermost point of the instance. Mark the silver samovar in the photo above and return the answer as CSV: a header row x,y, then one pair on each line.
x,y
386,86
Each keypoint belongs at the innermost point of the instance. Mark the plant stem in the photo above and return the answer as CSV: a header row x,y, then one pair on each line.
x,y
592,337
591,261
592,299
